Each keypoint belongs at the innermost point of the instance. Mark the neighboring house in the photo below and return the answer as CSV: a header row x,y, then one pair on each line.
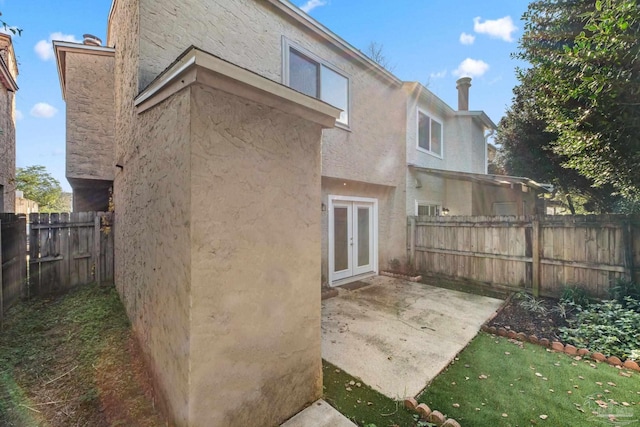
x,y
8,88
253,154
25,206
447,157
86,78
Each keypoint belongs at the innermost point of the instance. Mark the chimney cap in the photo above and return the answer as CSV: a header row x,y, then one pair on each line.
x,y
91,40
463,81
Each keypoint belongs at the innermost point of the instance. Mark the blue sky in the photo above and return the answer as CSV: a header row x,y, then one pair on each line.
x,y
430,41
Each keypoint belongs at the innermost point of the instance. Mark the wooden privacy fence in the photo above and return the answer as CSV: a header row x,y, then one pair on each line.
x,y
69,249
13,247
542,255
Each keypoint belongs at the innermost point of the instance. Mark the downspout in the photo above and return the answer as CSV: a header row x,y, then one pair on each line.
x,y
486,150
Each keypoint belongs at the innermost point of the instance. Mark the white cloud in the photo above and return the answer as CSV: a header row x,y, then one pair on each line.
x,y
502,28
44,48
467,38
43,110
438,75
312,4
19,115
471,68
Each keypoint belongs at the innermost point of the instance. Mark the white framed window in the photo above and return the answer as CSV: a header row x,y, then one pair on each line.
x,y
428,209
311,75
429,134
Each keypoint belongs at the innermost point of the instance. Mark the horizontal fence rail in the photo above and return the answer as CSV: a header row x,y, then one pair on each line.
x,y
538,254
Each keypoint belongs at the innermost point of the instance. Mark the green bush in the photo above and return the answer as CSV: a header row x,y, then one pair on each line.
x,y
574,295
624,288
608,327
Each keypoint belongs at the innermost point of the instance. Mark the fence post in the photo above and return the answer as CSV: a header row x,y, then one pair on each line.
x,y
412,242
96,248
536,236
627,233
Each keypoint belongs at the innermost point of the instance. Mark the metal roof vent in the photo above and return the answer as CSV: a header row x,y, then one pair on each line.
x,y
91,40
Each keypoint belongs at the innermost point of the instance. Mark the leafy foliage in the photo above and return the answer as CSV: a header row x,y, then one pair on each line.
x,y
608,327
38,185
583,85
531,303
623,289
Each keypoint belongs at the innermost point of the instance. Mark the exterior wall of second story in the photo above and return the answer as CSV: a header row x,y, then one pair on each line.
x,y
276,40
8,88
440,137
89,95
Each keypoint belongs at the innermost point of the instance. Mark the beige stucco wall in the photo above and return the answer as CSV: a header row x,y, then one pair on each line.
x,y
89,94
255,253
372,150
7,150
152,245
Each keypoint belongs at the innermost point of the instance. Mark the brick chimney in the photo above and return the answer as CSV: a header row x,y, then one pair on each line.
x,y
463,84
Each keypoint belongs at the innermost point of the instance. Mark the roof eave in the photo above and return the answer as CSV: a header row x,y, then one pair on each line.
x,y
61,48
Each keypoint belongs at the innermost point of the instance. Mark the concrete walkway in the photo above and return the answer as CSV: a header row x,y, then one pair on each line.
x,y
319,414
397,335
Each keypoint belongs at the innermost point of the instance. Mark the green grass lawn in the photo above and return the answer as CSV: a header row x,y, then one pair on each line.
x,y
500,382
70,360
360,403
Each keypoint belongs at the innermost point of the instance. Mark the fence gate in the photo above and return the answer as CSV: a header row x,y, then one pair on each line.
x,y
69,249
13,244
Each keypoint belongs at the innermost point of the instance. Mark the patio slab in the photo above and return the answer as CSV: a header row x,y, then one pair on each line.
x,y
397,335
319,414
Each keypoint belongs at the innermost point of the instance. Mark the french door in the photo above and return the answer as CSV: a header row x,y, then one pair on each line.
x,y
352,237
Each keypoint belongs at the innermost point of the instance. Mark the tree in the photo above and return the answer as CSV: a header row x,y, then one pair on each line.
x,y
375,51
14,30
525,150
38,185
585,68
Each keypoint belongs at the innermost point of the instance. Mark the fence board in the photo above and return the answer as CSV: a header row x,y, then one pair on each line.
x,y
543,254
13,270
67,250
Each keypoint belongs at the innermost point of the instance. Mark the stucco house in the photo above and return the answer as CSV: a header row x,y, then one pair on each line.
x,y
8,88
254,155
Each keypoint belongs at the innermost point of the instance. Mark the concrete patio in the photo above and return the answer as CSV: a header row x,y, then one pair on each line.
x,y
397,335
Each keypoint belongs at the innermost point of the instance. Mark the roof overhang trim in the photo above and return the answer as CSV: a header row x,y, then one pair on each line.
x,y
197,66
498,180
61,49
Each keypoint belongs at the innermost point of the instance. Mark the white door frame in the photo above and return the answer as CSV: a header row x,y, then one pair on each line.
x,y
353,202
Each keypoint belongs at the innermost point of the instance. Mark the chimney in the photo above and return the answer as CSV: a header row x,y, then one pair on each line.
x,y
91,40
463,84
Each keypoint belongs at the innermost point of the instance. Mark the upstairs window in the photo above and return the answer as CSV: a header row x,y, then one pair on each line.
x,y
429,134
312,76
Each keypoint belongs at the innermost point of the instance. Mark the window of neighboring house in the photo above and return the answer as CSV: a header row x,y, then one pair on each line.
x,y
312,76
423,209
429,134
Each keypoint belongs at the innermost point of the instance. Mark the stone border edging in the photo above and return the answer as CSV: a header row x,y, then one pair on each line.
x,y
426,414
400,276
560,347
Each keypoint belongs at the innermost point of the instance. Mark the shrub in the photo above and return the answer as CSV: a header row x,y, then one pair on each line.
x,y
624,288
574,295
531,303
608,327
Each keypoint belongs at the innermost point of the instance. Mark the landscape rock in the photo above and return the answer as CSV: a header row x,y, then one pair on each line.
x,y
410,403
436,418
423,410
